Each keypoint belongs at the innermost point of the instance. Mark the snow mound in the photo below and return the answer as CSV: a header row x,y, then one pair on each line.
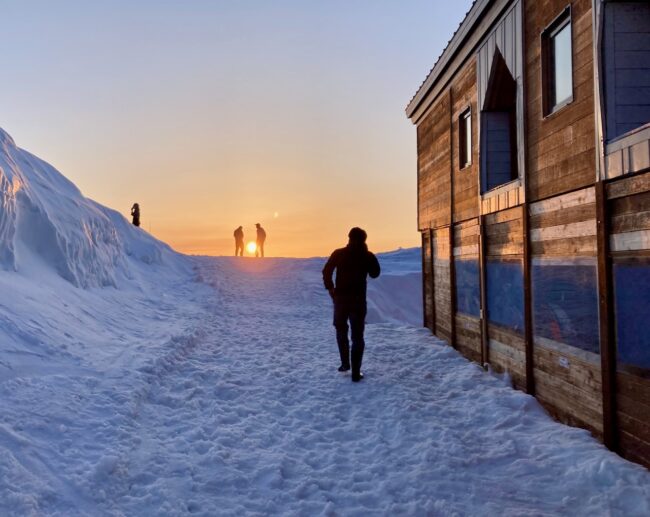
x,y
396,296
45,220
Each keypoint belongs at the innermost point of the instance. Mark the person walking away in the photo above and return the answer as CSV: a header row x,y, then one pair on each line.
x,y
353,264
135,213
261,237
239,241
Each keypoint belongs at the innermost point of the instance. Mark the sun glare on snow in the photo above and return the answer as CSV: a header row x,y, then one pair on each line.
x,y
251,247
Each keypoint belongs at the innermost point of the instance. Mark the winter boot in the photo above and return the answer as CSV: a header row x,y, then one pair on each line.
x,y
344,352
357,357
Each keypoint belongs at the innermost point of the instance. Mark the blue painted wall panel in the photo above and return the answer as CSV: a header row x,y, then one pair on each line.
x,y
468,292
565,303
632,309
505,293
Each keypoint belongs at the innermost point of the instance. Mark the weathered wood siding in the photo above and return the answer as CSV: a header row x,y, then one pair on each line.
x,y
561,147
434,166
463,94
629,227
566,356
441,281
504,255
467,289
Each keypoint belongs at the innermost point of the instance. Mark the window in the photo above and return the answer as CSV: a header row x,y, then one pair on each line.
x,y
499,127
626,68
465,138
557,64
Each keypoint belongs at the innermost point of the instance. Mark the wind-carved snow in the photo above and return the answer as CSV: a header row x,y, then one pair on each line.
x,y
43,216
208,386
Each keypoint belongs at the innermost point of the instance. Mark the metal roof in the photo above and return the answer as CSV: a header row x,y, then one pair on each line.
x,y
462,32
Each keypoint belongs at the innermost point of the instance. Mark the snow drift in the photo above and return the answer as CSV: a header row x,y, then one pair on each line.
x,y
44,216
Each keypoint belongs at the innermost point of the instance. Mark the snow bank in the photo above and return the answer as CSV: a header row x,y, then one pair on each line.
x,y
46,221
396,296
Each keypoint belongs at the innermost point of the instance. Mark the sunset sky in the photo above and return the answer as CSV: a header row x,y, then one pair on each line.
x,y
215,114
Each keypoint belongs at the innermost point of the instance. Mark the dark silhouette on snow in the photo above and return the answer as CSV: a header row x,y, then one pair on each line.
x,y
239,241
261,237
353,264
135,212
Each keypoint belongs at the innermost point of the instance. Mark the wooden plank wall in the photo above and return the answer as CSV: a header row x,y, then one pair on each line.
x,y
567,379
441,281
468,327
561,147
463,94
504,240
434,166
629,226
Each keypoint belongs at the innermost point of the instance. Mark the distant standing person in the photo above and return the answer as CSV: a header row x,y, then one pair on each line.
x,y
239,241
353,264
135,213
259,244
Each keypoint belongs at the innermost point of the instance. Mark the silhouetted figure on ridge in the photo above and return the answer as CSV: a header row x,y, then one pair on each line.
x,y
261,237
239,241
135,213
353,264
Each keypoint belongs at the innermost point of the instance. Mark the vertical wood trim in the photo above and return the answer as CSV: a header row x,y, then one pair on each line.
x,y
597,38
485,353
432,275
528,307
606,317
524,111
452,286
424,283
452,267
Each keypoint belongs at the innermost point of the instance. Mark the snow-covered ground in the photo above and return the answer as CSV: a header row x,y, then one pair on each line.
x,y
136,381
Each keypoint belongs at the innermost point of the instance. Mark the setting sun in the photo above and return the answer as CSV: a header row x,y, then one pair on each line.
x,y
251,247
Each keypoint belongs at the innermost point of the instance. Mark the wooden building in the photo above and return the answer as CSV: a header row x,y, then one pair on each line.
x,y
533,142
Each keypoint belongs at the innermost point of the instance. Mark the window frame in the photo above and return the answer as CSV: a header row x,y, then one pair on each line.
x,y
559,23
465,123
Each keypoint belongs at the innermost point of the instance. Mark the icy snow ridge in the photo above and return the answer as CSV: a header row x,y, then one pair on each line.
x,y
44,216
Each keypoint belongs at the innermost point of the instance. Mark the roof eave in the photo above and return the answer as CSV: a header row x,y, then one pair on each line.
x,y
472,17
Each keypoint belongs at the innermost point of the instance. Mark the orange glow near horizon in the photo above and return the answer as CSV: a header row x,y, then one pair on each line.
x,y
286,114
251,247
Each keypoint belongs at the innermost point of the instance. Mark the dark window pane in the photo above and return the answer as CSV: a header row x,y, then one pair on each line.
x,y
561,66
505,293
565,303
632,307
465,139
467,287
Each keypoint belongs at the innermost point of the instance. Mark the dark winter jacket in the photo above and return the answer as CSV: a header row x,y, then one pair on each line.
x,y
239,235
353,264
261,234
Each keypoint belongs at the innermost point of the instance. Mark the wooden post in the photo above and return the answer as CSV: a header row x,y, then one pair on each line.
x,y
452,286
432,275
424,284
485,352
452,266
606,317
528,307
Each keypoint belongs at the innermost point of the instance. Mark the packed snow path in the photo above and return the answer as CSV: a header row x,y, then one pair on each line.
x,y
246,414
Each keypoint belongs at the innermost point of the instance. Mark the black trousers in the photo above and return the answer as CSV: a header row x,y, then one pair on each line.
x,y
352,309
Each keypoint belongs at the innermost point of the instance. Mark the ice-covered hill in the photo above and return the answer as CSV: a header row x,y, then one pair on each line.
x,y
46,221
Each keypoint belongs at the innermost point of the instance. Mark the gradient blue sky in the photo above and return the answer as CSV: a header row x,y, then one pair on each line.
x,y
213,114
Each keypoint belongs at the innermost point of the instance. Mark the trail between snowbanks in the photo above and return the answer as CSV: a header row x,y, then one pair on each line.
x,y
255,419
221,397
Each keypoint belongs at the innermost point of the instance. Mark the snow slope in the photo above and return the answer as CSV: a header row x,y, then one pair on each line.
x,y
136,381
43,216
